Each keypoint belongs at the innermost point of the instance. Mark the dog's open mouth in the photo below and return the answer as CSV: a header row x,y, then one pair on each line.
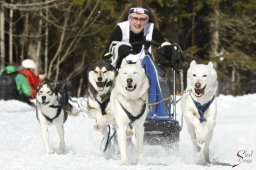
x,y
100,85
45,103
199,92
131,88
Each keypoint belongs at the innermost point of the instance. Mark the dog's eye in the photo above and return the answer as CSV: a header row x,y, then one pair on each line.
x,y
95,72
40,92
104,71
134,72
125,72
194,75
204,75
49,92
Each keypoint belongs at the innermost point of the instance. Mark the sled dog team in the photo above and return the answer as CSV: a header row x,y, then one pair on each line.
x,y
120,100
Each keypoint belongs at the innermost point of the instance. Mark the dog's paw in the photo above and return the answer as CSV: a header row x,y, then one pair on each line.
x,y
62,148
124,162
50,151
201,133
196,148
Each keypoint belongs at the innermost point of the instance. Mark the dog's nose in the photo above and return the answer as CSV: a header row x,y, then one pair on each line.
x,y
99,78
198,85
129,81
43,97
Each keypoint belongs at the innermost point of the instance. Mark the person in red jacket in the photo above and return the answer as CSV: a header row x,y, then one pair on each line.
x,y
28,67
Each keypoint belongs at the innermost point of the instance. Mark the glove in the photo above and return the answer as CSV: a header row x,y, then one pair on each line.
x,y
166,50
124,50
119,50
172,53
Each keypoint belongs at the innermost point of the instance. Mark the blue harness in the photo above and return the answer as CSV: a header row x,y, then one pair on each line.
x,y
202,108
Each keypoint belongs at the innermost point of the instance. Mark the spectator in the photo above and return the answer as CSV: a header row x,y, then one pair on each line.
x,y
28,67
14,85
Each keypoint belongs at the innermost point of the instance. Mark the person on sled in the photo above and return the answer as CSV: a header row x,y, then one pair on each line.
x,y
131,39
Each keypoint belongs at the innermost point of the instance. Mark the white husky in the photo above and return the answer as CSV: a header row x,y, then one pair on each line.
x,y
127,101
199,105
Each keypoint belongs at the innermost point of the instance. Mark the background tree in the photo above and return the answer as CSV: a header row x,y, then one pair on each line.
x,y
64,37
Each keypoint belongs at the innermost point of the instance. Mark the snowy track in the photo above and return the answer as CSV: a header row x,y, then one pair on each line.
x,y
21,145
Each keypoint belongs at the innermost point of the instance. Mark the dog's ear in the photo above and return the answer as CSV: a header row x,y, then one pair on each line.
x,y
138,63
193,63
51,85
124,62
210,64
38,87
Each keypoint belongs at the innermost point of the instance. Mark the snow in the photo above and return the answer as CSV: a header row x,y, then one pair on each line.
x,y
21,144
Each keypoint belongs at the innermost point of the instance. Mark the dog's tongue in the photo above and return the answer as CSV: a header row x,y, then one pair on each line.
x,y
199,91
101,84
130,86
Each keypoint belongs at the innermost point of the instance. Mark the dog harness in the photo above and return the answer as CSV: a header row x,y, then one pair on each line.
x,y
130,116
202,108
57,114
103,105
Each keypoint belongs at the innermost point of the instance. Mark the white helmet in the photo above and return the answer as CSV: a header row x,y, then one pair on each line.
x,y
28,63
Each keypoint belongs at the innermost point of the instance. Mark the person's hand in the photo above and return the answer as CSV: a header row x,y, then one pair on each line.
x,y
172,53
166,50
119,51
124,50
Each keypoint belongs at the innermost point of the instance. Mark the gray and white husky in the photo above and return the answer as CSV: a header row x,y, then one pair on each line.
x,y
101,76
52,108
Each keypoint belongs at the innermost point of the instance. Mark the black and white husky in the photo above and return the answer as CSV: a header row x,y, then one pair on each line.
x,y
52,108
101,76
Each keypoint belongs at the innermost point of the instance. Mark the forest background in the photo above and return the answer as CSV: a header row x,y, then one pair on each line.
x,y
65,36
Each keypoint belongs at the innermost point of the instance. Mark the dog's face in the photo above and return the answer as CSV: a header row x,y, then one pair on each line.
x,y
201,77
46,94
131,76
101,76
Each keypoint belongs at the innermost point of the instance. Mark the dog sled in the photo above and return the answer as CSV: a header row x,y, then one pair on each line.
x,y
161,128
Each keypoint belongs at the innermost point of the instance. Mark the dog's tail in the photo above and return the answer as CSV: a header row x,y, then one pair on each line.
x,y
71,110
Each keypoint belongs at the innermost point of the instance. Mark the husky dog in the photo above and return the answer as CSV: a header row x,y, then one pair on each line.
x,y
52,108
127,100
199,105
101,76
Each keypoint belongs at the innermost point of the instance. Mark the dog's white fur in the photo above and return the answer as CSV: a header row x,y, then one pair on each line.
x,y
101,76
202,86
130,90
46,106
